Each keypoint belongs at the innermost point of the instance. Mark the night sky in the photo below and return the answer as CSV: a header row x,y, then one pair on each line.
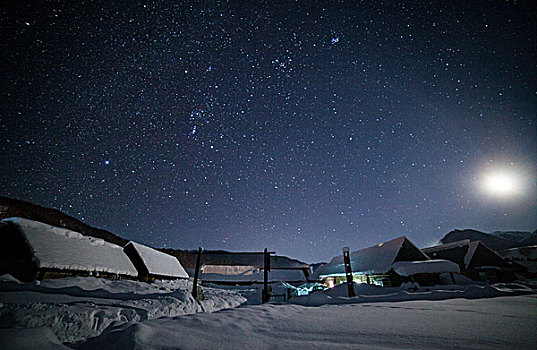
x,y
298,126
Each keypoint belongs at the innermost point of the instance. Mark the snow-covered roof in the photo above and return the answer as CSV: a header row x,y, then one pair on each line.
x,y
248,274
526,256
471,246
59,248
159,263
407,268
457,244
251,259
230,270
373,260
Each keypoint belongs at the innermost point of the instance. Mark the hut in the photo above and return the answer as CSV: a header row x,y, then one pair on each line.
x,y
387,264
246,275
152,264
32,250
243,268
476,260
525,256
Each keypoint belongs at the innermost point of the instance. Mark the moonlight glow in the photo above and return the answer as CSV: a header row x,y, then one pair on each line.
x,y
502,184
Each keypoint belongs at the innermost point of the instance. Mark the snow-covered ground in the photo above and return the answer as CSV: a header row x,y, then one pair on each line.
x,y
78,308
496,323
89,313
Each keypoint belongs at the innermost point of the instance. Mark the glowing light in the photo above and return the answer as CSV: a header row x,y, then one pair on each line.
x,y
502,184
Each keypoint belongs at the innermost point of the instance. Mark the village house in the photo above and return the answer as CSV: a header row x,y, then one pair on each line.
x,y
387,264
240,268
476,261
32,250
525,256
152,264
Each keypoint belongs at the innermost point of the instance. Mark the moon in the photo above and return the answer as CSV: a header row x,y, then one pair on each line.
x,y
501,183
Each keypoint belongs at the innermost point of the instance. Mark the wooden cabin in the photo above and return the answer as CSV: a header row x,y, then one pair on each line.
x,y
152,264
387,264
476,260
244,268
32,250
524,256
246,275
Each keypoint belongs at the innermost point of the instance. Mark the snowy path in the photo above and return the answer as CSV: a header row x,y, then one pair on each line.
x,y
495,323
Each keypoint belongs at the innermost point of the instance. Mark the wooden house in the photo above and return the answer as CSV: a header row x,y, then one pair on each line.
x,y
243,268
33,250
476,260
245,275
152,264
387,264
524,256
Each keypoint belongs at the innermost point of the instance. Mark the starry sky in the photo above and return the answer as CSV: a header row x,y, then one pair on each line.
x,y
300,126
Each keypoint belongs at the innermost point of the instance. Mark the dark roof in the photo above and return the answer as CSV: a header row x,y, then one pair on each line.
x,y
376,259
467,254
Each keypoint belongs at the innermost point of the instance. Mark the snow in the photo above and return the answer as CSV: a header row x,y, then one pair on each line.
x,y
159,263
498,323
89,313
78,308
457,244
407,292
407,268
30,338
372,260
472,247
59,248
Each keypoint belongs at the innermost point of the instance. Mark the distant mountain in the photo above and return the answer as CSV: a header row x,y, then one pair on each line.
x,y
521,237
498,240
10,207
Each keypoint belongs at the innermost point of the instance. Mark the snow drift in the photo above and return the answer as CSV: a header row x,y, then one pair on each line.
x,y
78,308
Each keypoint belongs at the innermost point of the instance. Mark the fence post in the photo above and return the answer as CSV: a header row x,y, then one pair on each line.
x,y
348,271
266,268
196,274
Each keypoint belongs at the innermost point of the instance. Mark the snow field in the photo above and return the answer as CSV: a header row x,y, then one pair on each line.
x,y
90,313
78,308
495,323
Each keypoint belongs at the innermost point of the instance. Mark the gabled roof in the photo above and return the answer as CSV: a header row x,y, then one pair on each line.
x,y
59,248
376,259
158,263
469,249
437,248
